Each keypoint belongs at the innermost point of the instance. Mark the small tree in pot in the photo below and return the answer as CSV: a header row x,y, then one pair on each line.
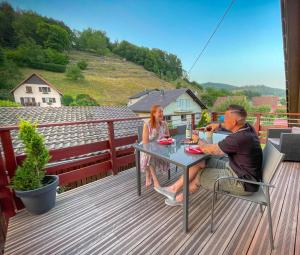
x,y
36,190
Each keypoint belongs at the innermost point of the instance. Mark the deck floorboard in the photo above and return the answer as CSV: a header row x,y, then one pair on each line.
x,y
107,217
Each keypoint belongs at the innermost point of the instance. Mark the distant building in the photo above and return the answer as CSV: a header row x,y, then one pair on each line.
x,y
221,100
174,102
36,91
272,101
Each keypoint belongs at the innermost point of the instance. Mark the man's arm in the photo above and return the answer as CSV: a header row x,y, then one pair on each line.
x,y
213,149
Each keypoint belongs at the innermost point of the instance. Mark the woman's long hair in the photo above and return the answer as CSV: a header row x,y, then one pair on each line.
x,y
154,109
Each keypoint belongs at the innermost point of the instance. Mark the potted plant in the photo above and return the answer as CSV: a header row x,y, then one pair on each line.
x,y
36,190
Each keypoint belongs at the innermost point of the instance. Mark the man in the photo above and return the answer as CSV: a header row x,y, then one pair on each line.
x,y
244,154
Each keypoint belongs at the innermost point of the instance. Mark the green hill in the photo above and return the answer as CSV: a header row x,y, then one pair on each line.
x,y
261,89
108,79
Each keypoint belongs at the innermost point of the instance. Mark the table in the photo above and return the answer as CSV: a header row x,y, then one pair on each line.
x,y
176,155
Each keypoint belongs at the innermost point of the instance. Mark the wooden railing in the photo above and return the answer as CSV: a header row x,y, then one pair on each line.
x,y
263,121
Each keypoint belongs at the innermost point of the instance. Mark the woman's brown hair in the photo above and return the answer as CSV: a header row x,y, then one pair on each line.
x,y
154,108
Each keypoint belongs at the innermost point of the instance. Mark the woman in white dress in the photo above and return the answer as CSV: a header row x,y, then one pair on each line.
x,y
154,129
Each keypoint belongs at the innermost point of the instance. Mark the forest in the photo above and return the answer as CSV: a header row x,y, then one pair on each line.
x,y
28,39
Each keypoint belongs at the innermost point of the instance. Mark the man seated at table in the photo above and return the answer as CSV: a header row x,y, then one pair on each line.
x,y
244,154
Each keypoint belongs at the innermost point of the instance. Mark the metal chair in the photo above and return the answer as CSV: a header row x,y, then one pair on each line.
x,y
271,160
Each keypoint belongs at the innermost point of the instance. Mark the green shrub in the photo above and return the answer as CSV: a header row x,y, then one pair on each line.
x,y
84,100
205,119
82,64
67,100
30,174
8,103
48,66
74,73
260,108
223,106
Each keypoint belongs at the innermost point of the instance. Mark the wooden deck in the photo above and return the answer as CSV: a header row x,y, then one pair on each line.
x,y
107,217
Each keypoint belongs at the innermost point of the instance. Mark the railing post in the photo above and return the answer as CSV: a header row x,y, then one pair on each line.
x,y
193,121
257,123
111,140
214,116
8,168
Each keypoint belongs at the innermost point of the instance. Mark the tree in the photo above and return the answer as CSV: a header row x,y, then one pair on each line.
x,y
93,40
84,100
67,100
210,95
7,32
53,36
223,106
260,108
74,73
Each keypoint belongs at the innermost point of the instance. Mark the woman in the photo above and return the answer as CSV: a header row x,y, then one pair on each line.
x,y
154,129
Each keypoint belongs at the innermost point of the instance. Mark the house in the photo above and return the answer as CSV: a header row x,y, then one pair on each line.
x,y
221,100
174,102
64,136
133,99
36,91
272,101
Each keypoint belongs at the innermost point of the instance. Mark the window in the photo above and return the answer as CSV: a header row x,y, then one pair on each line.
x,y
44,100
28,101
183,104
183,117
28,89
44,90
168,118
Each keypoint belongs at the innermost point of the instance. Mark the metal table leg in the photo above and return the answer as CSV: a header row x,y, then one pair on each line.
x,y
138,171
185,199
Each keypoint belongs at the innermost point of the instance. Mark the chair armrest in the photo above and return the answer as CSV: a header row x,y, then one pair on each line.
x,y
242,180
276,132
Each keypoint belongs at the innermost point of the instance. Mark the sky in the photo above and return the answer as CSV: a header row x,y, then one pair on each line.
x,y
246,50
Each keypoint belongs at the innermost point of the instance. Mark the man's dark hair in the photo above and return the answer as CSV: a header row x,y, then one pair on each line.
x,y
238,109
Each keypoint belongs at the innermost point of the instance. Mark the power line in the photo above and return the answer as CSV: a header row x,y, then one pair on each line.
x,y
211,36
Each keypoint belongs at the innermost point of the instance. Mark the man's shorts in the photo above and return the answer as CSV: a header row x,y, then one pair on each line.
x,y
216,168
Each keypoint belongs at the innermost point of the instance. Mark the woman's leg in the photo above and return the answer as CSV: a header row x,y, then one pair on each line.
x,y
148,178
154,177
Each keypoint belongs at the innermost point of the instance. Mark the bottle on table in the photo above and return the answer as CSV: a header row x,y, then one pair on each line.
x,y
188,130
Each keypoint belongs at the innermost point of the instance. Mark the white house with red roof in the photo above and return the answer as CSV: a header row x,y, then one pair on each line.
x,y
36,91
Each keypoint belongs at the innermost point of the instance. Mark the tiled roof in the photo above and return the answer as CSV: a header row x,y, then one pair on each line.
x,y
65,136
265,100
163,98
142,93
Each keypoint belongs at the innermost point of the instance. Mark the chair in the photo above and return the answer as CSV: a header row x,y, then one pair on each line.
x,y
286,141
271,160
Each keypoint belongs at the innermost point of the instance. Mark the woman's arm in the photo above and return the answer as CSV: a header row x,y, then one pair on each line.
x,y
145,138
167,128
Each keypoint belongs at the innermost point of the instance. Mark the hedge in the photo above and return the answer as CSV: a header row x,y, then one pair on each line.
x,y
48,66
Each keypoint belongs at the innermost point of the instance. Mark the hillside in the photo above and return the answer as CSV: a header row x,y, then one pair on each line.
x,y
262,89
110,80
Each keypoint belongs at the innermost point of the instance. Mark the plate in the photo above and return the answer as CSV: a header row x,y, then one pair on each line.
x,y
166,141
193,150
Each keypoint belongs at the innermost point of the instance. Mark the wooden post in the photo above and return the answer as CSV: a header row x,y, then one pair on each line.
x,y
111,140
193,121
8,168
9,154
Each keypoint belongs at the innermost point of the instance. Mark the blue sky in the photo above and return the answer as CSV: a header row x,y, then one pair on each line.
x,y
246,50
